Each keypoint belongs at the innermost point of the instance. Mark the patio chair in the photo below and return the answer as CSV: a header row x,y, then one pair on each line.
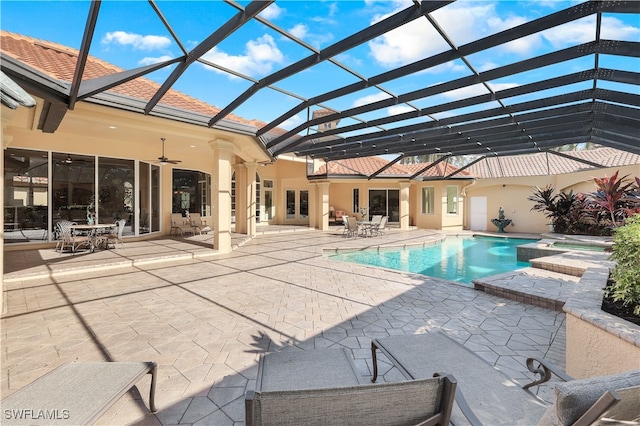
x,y
68,238
323,387
76,393
351,227
115,236
180,224
345,222
380,228
486,395
199,224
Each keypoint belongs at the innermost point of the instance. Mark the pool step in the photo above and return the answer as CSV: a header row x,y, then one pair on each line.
x,y
533,286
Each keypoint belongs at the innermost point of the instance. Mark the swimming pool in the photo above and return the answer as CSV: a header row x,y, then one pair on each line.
x,y
459,259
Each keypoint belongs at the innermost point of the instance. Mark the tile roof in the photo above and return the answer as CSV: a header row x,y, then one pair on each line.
x,y
366,166
548,164
59,62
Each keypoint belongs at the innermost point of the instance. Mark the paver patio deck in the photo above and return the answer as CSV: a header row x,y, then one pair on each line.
x,y
205,317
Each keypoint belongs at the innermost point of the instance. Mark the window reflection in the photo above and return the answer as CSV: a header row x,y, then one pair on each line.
x,y
190,192
25,195
73,187
31,209
115,191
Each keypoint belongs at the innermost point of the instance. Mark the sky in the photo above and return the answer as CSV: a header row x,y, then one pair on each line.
x,y
130,34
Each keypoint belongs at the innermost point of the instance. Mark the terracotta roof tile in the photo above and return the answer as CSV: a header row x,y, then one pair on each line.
x,y
368,165
59,62
548,164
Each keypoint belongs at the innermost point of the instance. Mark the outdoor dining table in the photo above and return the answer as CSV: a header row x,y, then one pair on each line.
x,y
93,231
366,226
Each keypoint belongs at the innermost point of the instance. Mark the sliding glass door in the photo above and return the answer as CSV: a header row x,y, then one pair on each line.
x,y
385,202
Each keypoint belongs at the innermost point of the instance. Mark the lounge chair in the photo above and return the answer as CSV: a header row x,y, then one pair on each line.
x,y
76,393
322,387
486,396
199,224
180,225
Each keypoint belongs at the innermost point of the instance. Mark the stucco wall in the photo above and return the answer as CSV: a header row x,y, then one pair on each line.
x,y
592,351
512,194
597,343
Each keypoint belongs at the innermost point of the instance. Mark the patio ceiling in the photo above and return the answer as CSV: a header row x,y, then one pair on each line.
x,y
575,94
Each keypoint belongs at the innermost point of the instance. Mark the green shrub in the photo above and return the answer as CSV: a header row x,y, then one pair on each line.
x,y
626,273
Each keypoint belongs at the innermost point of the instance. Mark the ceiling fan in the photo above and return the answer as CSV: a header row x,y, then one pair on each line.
x,y
164,160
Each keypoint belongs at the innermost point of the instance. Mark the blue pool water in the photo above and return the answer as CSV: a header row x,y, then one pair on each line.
x,y
455,259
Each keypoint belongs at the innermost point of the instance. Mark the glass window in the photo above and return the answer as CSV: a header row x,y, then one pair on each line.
x,y
43,188
73,187
356,200
428,198
452,200
149,198
304,204
190,192
291,204
115,191
26,195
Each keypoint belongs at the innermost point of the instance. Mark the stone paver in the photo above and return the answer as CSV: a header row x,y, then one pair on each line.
x,y
206,318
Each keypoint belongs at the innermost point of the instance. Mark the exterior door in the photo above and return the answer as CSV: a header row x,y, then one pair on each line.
x,y
478,214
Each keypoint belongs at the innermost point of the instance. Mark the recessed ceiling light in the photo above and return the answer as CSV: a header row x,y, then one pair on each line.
x,y
112,127
192,146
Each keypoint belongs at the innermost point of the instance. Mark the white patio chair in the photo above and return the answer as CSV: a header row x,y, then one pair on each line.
x,y
67,238
115,236
199,224
180,224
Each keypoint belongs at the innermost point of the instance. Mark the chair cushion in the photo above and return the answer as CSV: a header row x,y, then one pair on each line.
x,y
573,398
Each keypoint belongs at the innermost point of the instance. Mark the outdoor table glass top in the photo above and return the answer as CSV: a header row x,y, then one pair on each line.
x,y
94,231
366,226
94,227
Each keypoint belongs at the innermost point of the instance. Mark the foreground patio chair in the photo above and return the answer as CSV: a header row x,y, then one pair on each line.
x,y
76,393
322,387
487,396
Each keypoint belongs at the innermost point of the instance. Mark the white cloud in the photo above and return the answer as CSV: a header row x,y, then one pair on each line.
x,y
476,90
399,109
583,31
466,92
520,46
299,30
416,40
291,122
260,56
370,99
137,41
496,87
615,29
272,12
150,60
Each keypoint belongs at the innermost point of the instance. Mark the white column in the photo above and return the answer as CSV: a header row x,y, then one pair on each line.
x,y
404,205
251,187
323,205
223,156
